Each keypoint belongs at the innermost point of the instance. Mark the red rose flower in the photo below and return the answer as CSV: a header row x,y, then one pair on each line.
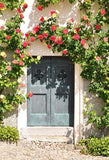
x,y
18,30
25,5
25,44
20,10
42,19
22,85
49,46
2,27
77,29
59,40
52,12
54,28
33,38
98,27
103,12
40,8
76,36
45,35
40,36
21,16
8,37
2,5
65,52
14,61
27,35
36,30
18,51
65,31
83,41
53,38
21,63
71,20
22,56
38,26
88,23
28,42
30,94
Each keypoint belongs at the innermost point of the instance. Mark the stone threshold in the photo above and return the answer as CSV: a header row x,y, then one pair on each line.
x,y
48,134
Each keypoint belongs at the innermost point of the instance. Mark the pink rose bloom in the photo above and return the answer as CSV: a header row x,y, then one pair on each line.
x,y
49,46
9,68
65,31
18,51
2,27
65,52
22,85
29,53
30,94
83,41
21,63
85,18
76,36
98,27
20,10
2,5
42,19
103,12
53,38
8,37
33,38
54,28
25,5
29,43
22,56
25,44
27,34
105,39
40,36
98,58
14,61
40,8
45,35
18,30
21,16
85,46
52,12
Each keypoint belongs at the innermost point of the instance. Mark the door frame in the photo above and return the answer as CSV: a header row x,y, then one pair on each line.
x,y
78,106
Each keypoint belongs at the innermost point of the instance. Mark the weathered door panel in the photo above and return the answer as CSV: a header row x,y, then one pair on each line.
x,y
62,93
39,104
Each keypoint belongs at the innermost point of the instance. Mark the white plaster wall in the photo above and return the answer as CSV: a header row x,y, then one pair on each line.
x,y
32,16
31,19
98,103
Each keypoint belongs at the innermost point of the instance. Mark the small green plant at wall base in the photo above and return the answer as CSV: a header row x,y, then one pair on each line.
x,y
9,134
95,146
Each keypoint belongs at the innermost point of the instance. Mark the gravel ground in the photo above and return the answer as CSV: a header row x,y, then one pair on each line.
x,y
34,150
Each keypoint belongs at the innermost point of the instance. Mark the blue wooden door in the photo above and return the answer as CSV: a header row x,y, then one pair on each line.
x,y
52,85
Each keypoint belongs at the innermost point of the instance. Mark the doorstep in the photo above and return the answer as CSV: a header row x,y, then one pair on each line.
x,y
48,134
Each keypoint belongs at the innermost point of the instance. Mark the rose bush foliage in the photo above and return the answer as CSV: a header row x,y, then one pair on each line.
x,y
86,43
12,44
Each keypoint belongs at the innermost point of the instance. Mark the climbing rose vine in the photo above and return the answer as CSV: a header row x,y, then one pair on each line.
x,y
77,41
